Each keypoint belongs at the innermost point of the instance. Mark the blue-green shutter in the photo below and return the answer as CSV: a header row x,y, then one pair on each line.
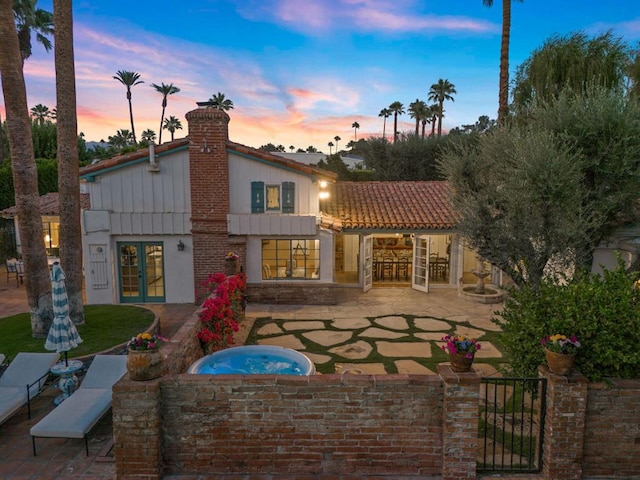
x,y
257,197
288,197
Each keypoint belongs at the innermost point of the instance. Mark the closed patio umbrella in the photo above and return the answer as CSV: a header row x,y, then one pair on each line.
x,y
63,335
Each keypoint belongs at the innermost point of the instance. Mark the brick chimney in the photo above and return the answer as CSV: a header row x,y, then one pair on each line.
x,y
209,173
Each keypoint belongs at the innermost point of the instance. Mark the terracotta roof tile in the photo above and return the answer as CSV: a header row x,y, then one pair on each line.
x,y
390,205
236,147
48,205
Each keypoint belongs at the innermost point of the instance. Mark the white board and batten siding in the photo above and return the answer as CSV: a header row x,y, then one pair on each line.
x,y
142,202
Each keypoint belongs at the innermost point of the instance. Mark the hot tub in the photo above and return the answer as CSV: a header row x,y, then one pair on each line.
x,y
254,359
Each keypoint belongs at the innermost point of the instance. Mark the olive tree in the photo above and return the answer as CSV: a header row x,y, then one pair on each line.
x,y
518,195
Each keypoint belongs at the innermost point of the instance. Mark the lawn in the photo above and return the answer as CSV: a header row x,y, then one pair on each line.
x,y
105,326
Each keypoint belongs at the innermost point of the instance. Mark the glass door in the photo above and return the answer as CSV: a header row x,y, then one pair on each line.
x,y
367,249
420,277
141,272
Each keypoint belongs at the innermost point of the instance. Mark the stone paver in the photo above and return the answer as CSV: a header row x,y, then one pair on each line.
x,y
353,351
431,325
374,332
360,368
318,359
327,338
488,350
411,367
404,349
350,323
394,322
287,341
269,329
309,325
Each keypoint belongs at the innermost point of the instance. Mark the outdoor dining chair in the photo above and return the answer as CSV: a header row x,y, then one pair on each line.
x,y
11,268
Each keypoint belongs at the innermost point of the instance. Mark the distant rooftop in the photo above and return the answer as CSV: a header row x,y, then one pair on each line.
x,y
313,158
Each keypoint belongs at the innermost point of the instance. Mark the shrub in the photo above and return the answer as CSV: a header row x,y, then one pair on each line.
x,y
602,311
221,311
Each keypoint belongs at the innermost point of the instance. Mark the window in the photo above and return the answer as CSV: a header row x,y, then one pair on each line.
x,y
273,198
290,259
51,232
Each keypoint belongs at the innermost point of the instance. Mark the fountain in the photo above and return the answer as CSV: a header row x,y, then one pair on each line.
x,y
480,293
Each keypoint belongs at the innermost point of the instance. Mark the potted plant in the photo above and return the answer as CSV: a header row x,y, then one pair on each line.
x,y
560,352
144,361
461,350
231,264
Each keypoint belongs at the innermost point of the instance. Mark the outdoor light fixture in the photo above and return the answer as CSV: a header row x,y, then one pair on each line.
x,y
180,246
205,148
323,184
324,195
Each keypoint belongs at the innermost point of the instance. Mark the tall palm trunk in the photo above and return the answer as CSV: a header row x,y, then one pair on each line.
x,y
440,111
395,126
503,95
384,126
133,128
25,175
164,105
68,162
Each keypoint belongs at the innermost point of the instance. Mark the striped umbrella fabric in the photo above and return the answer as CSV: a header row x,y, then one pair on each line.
x,y
63,335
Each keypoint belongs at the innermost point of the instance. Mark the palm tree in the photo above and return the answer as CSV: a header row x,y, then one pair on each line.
x,y
148,136
129,79
165,90
330,145
439,92
355,126
29,19
25,175
503,90
397,109
40,113
337,139
220,102
172,124
68,158
418,110
121,139
292,148
384,113
432,112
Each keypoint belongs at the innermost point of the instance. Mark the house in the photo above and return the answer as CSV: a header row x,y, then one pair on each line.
x,y
162,219
50,212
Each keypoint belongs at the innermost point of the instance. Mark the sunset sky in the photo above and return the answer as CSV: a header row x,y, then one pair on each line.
x,y
301,72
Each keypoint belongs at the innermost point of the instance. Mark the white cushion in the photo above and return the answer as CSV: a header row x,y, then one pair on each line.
x,y
105,370
11,399
76,415
26,368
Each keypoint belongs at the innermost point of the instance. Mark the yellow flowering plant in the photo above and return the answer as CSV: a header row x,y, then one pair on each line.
x,y
146,341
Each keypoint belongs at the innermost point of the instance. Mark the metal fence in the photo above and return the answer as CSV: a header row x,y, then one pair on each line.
x,y
511,424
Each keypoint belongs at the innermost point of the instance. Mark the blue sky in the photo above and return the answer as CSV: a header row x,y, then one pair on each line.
x,y
301,72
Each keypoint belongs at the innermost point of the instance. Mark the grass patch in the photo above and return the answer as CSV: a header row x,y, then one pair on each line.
x,y
437,355
105,327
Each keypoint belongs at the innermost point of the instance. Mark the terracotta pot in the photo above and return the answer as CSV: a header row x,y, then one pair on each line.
x,y
144,364
559,363
460,363
231,266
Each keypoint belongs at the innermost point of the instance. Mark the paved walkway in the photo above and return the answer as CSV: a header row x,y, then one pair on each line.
x,y
65,459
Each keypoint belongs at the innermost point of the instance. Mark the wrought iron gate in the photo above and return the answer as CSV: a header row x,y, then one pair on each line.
x,y
511,424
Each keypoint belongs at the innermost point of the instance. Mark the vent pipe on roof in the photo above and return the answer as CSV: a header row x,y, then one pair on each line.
x,y
153,166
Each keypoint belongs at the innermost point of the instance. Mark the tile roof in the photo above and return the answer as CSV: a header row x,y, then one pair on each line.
x,y
390,205
122,160
48,205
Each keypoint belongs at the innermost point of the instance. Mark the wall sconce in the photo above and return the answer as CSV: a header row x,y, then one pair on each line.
x,y
180,246
205,148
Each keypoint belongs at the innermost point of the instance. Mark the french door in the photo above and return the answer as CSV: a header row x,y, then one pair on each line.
x,y
420,277
367,274
141,272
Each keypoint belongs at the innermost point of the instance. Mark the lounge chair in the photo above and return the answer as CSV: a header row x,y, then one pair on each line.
x,y
78,414
23,380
